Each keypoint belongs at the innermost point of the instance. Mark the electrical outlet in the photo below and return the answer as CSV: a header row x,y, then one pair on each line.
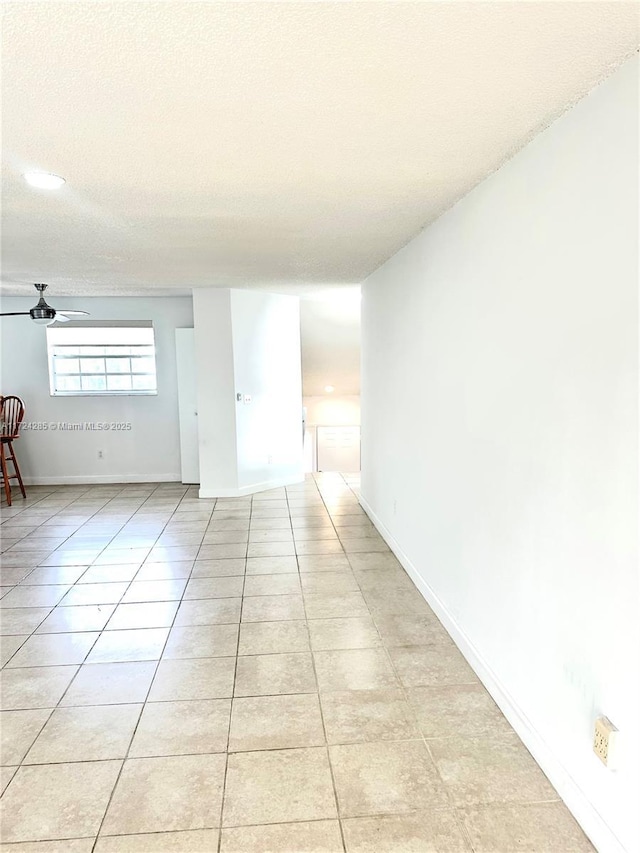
x,y
101,454
605,742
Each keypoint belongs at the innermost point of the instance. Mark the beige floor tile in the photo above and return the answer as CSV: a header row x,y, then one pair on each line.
x,y
88,617
278,786
336,605
34,596
9,645
225,587
272,608
217,568
226,537
320,836
314,534
85,734
411,629
384,580
358,632
172,554
164,571
156,614
358,545
95,593
54,649
21,620
12,576
68,845
271,565
329,583
222,552
54,575
279,534
399,602
460,709
18,730
373,561
424,666
109,573
490,770
324,563
6,775
385,778
166,794
57,800
220,521
110,684
271,549
280,584
146,591
201,641
204,678
208,611
318,546
134,644
540,828
34,687
276,722
188,841
270,523
422,832
273,637
182,728
262,675
354,669
358,716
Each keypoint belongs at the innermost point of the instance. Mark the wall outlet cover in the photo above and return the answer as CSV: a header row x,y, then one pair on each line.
x,y
605,742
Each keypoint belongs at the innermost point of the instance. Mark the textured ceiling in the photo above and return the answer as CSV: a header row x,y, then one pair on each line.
x,y
277,145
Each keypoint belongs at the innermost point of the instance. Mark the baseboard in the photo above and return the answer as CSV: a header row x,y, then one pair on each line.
x,y
593,824
97,479
264,486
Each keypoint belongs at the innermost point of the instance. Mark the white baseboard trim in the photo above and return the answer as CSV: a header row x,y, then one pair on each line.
x,y
593,824
252,489
97,479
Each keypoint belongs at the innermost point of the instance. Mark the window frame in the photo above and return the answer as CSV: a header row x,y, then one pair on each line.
x,y
53,356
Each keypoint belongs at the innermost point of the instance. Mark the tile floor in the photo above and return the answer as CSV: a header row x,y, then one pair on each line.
x,y
243,676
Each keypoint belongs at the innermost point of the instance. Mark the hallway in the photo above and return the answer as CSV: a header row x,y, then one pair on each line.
x,y
264,665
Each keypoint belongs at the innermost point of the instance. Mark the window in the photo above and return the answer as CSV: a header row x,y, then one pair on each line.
x,y
101,359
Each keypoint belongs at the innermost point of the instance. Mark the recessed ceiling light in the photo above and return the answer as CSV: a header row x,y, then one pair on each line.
x,y
43,180
329,389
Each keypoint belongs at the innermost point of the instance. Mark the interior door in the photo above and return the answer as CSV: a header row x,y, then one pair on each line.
x,y
339,448
188,405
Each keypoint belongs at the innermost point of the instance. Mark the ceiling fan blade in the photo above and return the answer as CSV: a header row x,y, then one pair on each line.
x,y
60,318
74,313
15,314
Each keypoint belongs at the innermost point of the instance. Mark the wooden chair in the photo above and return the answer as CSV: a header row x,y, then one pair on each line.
x,y
11,415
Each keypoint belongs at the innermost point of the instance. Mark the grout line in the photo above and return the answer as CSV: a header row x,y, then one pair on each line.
x,y
324,728
233,687
135,730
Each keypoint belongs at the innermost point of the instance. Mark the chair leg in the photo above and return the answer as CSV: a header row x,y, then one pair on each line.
x,y
5,474
17,469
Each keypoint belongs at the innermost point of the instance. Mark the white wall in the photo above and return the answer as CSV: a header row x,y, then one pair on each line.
x,y
148,452
216,391
248,343
332,411
500,390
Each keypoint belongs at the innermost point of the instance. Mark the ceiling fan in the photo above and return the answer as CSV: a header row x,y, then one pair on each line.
x,y
43,314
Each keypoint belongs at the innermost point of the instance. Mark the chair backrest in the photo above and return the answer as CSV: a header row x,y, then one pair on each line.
x,y
11,415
